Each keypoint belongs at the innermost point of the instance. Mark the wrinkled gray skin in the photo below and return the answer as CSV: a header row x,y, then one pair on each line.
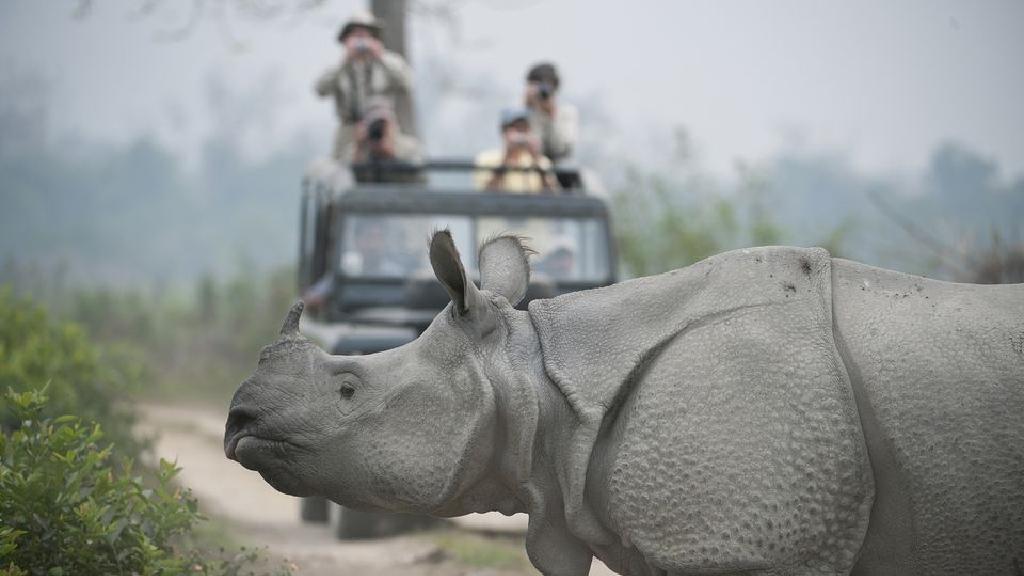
x,y
766,411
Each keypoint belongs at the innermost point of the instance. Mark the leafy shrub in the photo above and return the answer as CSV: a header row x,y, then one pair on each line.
x,y
82,379
66,509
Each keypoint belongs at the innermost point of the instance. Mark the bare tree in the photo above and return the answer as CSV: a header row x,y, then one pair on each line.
x,y
221,11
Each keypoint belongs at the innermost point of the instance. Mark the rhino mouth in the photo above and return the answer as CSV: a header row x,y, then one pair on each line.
x,y
275,460
245,440
250,442
246,449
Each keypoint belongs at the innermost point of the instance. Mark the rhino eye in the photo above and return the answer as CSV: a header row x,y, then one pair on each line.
x,y
346,391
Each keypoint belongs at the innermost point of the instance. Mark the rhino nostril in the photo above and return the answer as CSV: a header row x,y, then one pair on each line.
x,y
238,420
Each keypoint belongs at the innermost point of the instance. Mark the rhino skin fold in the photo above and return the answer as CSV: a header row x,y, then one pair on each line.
x,y
770,411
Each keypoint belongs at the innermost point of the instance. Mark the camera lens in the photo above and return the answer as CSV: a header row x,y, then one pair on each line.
x,y
376,129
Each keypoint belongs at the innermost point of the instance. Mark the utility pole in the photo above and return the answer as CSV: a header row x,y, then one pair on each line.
x,y
391,14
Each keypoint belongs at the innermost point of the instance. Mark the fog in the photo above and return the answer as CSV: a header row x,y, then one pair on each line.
x,y
877,82
111,111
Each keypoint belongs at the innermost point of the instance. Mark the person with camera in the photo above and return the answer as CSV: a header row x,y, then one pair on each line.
x,y
382,152
367,71
557,124
519,166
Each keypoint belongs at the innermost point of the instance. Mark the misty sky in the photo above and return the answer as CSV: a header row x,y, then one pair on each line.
x,y
878,81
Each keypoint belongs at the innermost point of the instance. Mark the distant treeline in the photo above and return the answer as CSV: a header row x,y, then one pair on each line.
x,y
192,344
958,220
137,215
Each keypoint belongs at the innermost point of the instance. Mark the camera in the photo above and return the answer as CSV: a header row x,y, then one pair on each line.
x,y
518,140
545,90
360,45
376,129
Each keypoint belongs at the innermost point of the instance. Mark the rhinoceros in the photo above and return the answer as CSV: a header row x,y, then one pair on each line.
x,y
765,411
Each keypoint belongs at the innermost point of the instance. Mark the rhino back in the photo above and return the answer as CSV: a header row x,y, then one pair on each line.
x,y
725,433
938,370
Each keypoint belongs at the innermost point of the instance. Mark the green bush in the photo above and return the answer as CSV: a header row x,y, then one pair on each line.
x,y
82,379
66,508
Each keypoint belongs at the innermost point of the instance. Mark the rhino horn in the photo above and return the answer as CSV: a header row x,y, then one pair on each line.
x,y
291,322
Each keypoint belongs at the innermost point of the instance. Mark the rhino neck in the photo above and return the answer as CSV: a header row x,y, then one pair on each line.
x,y
546,441
552,546
515,371
533,441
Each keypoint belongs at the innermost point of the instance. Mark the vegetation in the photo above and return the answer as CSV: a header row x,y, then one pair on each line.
x,y
944,222
193,347
479,551
1000,264
67,508
198,346
95,214
663,223
71,500
82,379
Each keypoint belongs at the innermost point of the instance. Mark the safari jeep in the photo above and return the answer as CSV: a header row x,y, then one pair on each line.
x,y
368,284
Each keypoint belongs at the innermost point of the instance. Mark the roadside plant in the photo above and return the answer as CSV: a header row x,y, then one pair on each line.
x,y
68,508
84,379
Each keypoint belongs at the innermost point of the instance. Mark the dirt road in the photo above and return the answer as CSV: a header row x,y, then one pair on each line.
x,y
255,514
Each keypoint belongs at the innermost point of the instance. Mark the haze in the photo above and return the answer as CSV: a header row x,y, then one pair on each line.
x,y
878,82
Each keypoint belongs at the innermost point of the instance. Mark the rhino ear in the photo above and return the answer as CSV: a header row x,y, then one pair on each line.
x,y
444,258
505,267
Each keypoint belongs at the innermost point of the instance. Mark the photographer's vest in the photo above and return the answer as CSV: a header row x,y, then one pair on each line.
x,y
359,82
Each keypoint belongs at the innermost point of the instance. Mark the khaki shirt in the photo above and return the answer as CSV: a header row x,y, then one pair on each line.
x,y
356,82
523,182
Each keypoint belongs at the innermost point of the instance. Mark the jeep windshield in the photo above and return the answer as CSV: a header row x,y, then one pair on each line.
x,y
393,246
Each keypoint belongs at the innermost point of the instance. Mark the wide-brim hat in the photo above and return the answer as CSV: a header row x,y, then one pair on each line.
x,y
361,19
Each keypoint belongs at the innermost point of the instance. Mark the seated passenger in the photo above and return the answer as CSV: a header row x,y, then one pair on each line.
x,y
382,152
559,264
376,251
531,171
